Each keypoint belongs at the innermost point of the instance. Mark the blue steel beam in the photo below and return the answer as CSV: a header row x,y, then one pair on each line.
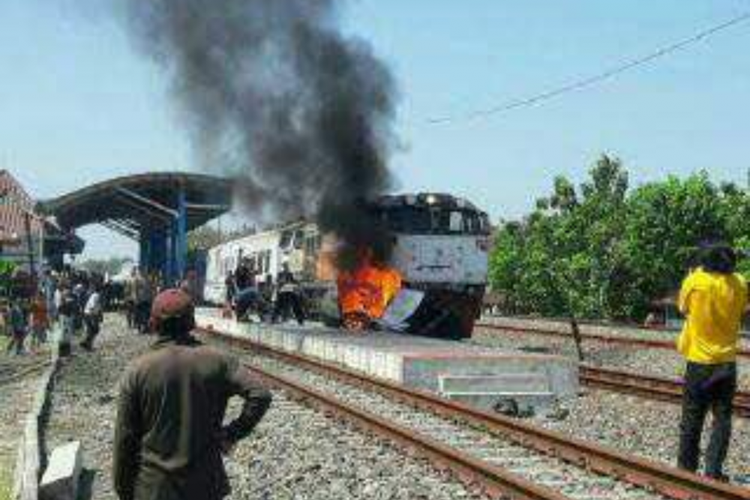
x,y
144,254
147,201
179,241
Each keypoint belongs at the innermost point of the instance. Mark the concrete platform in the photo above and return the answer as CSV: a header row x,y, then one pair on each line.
x,y
480,376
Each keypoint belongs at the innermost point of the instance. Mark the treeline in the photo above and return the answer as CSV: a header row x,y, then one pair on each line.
x,y
603,250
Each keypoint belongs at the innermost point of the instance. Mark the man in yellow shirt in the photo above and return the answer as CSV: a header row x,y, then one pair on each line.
x,y
713,298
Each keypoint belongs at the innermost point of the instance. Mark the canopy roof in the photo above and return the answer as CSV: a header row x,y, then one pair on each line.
x,y
137,204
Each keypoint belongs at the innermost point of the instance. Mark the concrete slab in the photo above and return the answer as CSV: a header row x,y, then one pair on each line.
x,y
60,480
479,375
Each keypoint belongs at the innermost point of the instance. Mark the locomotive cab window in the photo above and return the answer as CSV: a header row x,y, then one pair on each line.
x,y
286,240
456,223
409,220
299,240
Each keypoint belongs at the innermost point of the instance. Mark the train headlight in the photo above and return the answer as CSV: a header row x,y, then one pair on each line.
x,y
431,199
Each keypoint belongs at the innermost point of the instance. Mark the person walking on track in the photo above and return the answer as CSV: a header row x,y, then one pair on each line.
x,y
92,317
40,322
19,327
713,298
66,310
169,434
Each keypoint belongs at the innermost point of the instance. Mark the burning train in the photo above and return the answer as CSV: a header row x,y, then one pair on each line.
x,y
439,254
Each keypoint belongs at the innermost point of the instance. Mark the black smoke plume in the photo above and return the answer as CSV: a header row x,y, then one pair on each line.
x,y
274,93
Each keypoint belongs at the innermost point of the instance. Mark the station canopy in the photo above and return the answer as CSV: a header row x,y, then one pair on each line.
x,y
140,204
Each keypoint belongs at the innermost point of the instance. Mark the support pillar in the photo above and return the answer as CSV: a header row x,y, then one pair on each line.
x,y
144,257
179,237
154,255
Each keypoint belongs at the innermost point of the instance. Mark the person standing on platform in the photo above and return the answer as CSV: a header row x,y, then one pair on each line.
x,y
713,298
40,321
288,297
92,317
170,433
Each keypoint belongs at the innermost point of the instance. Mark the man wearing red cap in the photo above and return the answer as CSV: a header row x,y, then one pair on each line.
x,y
170,436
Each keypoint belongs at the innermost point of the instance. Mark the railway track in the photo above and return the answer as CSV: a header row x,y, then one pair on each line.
x,y
506,457
15,372
661,389
593,337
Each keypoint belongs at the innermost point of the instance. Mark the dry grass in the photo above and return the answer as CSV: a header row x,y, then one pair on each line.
x,y
6,483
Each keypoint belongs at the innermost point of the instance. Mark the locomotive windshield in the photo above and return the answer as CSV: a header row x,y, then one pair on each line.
x,y
435,220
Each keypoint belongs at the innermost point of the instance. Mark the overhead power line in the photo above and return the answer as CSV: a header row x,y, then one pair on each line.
x,y
599,77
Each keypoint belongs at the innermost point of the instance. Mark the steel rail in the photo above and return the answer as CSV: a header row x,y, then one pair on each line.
x,y
12,376
662,389
595,337
666,480
494,480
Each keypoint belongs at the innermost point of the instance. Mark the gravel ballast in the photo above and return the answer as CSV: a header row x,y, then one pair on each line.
x,y
643,360
645,428
295,453
300,453
636,425
20,377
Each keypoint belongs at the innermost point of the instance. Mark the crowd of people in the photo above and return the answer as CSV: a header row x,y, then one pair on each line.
x,y
271,301
70,299
73,302
23,318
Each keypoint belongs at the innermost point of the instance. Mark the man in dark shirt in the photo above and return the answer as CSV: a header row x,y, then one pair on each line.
x,y
247,296
288,297
170,435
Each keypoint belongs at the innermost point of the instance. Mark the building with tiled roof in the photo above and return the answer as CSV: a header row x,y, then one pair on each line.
x,y
20,228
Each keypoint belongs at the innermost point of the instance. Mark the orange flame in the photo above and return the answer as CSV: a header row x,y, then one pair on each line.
x,y
365,292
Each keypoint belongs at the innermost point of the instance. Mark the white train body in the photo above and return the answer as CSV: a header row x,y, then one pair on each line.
x,y
441,247
449,260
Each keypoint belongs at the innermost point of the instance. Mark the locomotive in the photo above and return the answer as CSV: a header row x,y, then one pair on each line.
x,y
440,249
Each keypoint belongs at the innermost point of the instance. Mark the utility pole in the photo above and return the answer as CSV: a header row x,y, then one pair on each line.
x,y
29,241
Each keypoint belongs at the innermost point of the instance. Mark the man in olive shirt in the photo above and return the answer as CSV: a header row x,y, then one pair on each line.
x,y
170,435
713,298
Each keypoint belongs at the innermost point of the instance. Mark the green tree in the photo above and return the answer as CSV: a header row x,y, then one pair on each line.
x,y
666,223
735,210
558,261
602,251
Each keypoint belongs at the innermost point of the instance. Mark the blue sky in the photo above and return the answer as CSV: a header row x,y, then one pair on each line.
x,y
78,105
